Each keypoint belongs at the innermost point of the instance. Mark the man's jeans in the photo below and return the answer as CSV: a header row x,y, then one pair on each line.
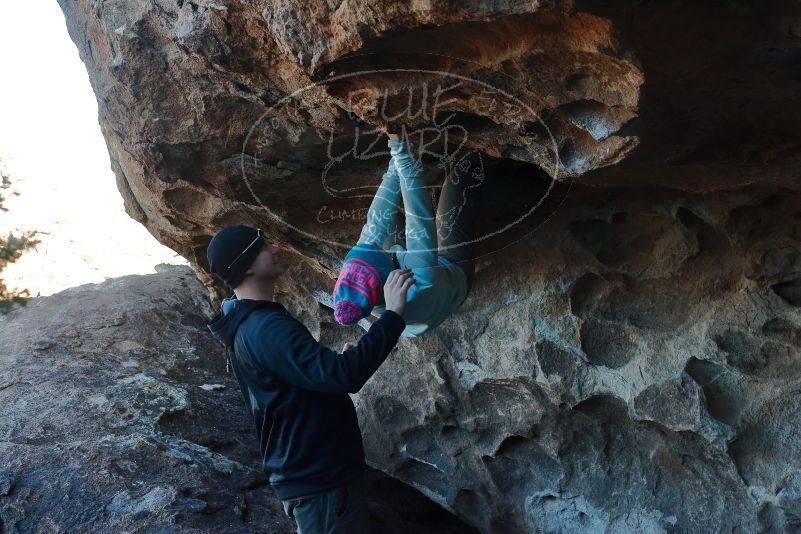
x,y
455,213
341,510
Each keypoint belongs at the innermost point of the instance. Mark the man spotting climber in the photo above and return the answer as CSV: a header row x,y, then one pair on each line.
x,y
296,388
442,281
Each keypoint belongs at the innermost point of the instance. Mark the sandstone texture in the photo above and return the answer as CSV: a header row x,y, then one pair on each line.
x,y
628,359
118,416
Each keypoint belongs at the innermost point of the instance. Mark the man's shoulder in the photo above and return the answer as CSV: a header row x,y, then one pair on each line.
x,y
268,314
265,317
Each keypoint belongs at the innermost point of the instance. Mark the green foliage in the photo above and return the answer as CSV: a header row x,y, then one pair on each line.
x,y
11,248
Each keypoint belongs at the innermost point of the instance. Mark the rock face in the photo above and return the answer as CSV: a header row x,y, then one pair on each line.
x,y
118,416
628,359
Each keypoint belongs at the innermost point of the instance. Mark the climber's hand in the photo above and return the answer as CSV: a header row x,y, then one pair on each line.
x,y
398,282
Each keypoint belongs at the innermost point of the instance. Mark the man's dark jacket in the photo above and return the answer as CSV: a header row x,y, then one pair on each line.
x,y
297,390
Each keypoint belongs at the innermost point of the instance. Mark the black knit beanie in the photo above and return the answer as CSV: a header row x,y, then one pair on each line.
x,y
225,248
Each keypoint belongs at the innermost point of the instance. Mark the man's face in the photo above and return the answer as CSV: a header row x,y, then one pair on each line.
x,y
266,264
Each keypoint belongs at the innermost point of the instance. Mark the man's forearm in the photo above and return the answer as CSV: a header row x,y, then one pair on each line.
x,y
296,357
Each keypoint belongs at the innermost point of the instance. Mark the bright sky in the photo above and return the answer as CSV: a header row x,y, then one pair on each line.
x,y
52,148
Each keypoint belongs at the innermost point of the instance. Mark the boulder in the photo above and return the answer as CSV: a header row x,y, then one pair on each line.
x,y
628,357
108,423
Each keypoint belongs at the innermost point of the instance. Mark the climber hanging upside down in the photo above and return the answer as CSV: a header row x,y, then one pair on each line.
x,y
443,280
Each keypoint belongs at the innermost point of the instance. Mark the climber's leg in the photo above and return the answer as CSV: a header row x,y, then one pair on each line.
x,y
383,212
421,230
456,213
397,232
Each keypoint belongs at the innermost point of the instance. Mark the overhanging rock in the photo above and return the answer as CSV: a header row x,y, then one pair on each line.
x,y
628,357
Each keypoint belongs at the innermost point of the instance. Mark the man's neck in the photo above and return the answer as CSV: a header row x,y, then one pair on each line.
x,y
263,291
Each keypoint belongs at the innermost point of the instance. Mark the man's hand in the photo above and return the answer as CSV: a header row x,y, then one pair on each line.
x,y
398,282
393,136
